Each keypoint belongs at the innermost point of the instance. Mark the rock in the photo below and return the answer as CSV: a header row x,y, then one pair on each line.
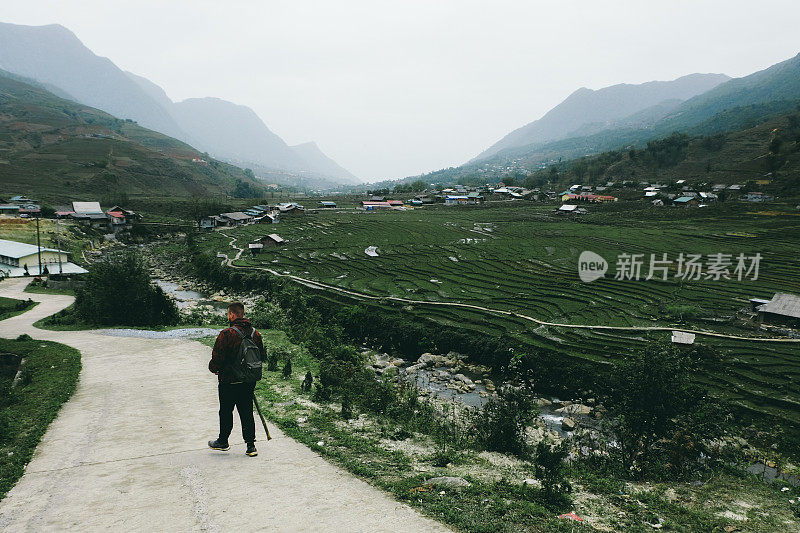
x,y
568,424
414,368
670,495
532,482
575,409
426,359
464,379
543,402
449,481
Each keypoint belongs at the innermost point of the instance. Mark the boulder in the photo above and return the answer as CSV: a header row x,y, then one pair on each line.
x,y
464,379
568,424
575,409
414,368
450,482
543,402
428,359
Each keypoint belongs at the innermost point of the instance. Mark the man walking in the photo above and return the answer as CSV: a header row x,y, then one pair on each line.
x,y
236,381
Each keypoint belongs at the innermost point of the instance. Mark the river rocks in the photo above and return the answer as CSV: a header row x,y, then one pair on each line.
x,y
543,402
568,424
575,409
413,369
429,359
464,379
450,482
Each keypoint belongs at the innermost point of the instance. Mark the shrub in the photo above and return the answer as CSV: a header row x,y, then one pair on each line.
x,y
551,470
118,291
502,422
660,418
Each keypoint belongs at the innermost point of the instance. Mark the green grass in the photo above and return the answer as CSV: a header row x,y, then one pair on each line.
x,y
521,257
12,307
39,289
49,375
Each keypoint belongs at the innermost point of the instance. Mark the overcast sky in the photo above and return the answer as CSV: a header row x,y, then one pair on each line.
x,y
391,89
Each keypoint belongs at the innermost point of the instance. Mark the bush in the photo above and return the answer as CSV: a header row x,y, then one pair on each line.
x,y
551,470
118,291
660,419
502,423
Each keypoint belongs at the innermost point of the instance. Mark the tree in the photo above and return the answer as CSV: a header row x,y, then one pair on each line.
x,y
661,418
119,291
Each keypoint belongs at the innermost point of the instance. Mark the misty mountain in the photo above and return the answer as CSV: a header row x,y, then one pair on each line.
x,y
604,109
778,83
234,130
53,56
55,148
321,163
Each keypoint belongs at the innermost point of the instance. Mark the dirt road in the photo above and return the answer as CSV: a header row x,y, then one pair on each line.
x,y
128,452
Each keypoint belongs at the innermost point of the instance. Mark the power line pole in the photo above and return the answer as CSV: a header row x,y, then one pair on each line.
x,y
58,243
38,244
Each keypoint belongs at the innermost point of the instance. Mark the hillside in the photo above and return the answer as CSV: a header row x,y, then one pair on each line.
x,y
604,109
55,149
745,156
53,56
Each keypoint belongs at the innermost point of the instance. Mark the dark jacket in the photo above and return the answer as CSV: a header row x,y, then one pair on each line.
x,y
226,346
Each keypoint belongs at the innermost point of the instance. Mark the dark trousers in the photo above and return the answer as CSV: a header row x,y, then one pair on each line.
x,y
239,395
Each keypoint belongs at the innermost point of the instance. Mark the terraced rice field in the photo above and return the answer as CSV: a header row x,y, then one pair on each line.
x,y
524,258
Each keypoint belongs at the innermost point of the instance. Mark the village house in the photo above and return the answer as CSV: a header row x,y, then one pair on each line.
x,y
9,209
783,309
593,198
326,205
682,338
236,218
370,205
685,201
271,240
19,259
122,218
758,197
291,209
89,213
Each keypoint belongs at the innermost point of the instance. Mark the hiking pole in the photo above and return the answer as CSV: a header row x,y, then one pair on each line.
x,y
269,437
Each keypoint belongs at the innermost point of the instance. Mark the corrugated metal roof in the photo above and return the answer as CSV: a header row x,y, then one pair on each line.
x,y
86,207
275,237
20,249
238,215
783,304
682,337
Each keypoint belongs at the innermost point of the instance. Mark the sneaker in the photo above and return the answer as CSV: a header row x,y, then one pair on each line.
x,y
219,445
251,449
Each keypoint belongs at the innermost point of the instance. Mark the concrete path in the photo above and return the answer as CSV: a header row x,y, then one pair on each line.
x,y
128,452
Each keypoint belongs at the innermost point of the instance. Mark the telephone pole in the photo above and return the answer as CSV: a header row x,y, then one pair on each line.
x,y
58,243
38,244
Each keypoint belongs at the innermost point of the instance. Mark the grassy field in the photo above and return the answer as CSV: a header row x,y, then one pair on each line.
x,y
523,258
49,374
11,307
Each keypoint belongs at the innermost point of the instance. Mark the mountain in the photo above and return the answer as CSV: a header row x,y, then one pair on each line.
x,y
54,55
222,127
321,163
605,108
56,58
778,83
56,149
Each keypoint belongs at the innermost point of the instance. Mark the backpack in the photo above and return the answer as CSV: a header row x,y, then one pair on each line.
x,y
246,365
